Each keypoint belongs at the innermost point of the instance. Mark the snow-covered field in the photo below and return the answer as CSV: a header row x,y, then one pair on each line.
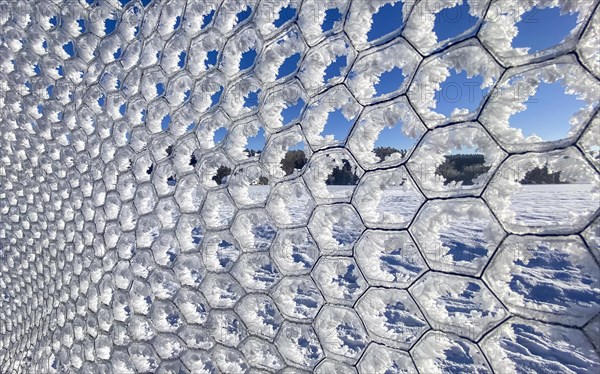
x,y
533,205
459,236
550,204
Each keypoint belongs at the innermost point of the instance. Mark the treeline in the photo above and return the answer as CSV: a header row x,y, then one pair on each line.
x,y
223,173
297,159
542,176
463,168
467,167
293,160
383,152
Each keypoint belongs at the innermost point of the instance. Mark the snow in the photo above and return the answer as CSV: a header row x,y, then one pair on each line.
x,y
459,235
553,279
521,343
260,315
420,26
382,359
531,204
339,279
321,167
335,228
360,19
387,199
392,317
298,298
341,333
389,258
300,345
458,304
318,112
567,205
312,71
275,54
145,226
262,354
439,352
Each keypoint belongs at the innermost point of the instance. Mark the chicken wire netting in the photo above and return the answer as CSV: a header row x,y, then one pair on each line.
x,y
173,198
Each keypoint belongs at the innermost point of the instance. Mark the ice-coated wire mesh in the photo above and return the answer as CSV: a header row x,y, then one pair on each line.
x,y
143,229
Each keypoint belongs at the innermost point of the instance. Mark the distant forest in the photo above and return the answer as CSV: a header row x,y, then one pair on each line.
x,y
542,176
456,168
467,167
383,152
462,168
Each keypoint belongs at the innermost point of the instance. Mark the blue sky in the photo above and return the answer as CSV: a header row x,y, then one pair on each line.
x,y
393,137
542,118
541,29
538,30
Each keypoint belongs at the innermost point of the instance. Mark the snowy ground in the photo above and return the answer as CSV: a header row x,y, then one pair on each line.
x,y
534,205
546,204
